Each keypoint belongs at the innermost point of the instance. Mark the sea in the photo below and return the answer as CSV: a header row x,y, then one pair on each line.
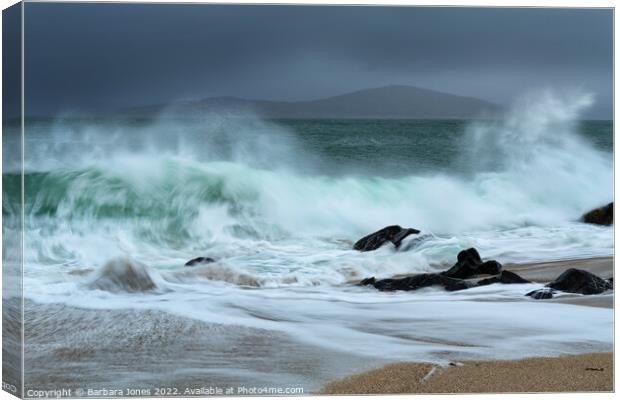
x,y
278,204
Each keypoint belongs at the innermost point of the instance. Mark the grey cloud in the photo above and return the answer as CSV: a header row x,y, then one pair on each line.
x,y
99,57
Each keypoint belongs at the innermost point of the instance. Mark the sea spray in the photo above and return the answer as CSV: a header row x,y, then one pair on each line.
x,y
535,158
256,196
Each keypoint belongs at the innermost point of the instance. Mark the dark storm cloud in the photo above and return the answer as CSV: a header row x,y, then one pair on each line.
x,y
98,57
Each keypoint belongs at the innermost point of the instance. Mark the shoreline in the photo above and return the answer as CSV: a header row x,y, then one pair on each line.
x,y
585,372
590,372
156,342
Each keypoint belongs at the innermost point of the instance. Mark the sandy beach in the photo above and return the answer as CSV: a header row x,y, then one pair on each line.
x,y
582,373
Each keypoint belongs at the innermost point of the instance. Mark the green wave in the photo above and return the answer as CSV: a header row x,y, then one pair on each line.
x,y
97,193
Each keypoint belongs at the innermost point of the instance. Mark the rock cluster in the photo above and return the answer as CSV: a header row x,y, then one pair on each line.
x,y
470,265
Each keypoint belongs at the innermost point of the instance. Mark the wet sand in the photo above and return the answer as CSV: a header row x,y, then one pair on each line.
x,y
71,348
548,271
582,373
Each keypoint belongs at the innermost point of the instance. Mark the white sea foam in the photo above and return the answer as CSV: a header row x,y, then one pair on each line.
x,y
282,231
496,321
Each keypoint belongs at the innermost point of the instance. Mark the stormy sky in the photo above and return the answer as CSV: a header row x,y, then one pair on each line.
x,y
101,57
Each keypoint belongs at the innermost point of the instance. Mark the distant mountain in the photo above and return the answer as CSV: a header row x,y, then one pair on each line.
x,y
385,102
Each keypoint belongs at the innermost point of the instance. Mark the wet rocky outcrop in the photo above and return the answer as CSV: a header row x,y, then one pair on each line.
x,y
421,281
468,265
574,280
393,233
579,281
600,216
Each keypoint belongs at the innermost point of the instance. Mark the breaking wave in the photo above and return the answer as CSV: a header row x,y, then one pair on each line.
x,y
248,189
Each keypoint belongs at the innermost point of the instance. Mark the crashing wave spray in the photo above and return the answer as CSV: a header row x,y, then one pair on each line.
x,y
162,192
535,165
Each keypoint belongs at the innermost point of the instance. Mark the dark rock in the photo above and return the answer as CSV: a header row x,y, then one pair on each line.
x,y
470,264
470,255
579,281
611,280
421,281
541,294
490,267
600,216
574,281
393,233
199,260
511,277
368,281
506,277
467,262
